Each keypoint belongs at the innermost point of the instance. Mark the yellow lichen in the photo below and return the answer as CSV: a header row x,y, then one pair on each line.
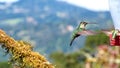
x,y
22,54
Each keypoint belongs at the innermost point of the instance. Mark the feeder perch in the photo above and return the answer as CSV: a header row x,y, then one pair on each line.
x,y
115,41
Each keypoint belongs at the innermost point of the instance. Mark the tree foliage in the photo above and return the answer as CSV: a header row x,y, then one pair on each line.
x,y
72,60
95,40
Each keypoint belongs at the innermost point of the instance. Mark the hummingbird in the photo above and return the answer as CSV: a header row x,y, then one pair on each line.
x,y
81,30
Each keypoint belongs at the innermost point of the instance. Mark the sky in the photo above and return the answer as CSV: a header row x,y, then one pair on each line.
x,y
95,5
8,0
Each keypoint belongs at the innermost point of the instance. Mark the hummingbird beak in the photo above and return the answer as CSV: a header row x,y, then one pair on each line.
x,y
92,23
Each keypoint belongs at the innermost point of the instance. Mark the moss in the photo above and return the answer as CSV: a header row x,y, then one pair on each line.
x,y
21,53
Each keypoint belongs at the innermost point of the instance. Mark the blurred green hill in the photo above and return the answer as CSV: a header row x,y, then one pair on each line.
x,y
5,65
47,24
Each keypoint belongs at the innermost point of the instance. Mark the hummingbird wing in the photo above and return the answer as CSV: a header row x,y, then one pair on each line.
x,y
87,32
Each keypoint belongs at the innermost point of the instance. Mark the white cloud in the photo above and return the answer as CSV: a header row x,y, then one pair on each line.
x,y
96,5
9,1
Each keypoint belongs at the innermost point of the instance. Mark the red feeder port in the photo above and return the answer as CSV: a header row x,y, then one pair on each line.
x,y
115,41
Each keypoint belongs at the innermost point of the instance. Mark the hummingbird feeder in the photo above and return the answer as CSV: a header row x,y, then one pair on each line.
x,y
115,41
114,6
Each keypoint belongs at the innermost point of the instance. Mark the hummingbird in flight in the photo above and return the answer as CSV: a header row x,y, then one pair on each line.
x,y
81,30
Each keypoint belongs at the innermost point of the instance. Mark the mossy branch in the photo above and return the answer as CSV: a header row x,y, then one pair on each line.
x,y
22,54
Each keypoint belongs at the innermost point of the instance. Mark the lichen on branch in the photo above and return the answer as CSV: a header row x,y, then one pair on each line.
x,y
21,53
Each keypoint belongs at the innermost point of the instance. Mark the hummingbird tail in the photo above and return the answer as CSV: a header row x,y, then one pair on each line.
x,y
71,41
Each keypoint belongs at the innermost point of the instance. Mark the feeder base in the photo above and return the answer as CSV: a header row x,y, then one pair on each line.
x,y
115,41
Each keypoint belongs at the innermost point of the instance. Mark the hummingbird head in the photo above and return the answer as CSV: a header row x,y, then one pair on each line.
x,y
82,25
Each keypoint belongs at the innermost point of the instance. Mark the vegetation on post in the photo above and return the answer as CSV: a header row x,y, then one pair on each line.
x,y
21,53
